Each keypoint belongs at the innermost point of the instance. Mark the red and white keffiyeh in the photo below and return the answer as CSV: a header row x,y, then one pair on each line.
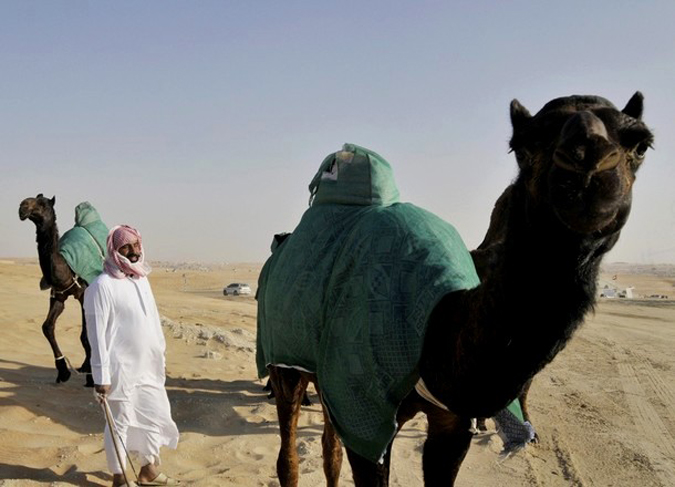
x,y
116,264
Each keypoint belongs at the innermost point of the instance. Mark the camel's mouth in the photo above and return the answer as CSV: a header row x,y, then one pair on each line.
x,y
589,223
23,214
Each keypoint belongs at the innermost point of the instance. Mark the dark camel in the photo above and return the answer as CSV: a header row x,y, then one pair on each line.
x,y
57,275
538,265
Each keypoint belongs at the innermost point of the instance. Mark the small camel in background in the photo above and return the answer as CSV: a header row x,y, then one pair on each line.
x,y
57,275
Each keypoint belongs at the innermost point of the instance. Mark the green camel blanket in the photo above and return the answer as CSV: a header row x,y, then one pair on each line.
x,y
84,245
348,294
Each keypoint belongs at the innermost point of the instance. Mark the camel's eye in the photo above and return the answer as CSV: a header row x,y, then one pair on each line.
x,y
523,156
641,149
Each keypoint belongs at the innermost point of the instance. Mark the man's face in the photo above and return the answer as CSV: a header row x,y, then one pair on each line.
x,y
131,251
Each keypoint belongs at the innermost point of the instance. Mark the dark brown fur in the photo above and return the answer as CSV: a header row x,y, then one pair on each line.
x,y
538,266
58,276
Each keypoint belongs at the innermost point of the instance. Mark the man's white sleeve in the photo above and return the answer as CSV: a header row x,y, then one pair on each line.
x,y
97,314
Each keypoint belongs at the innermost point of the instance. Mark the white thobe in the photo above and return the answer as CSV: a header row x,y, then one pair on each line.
x,y
127,352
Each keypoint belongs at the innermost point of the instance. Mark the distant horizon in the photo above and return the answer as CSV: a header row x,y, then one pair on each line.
x,y
160,263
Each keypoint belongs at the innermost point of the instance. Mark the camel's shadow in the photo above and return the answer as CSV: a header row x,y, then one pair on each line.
x,y
206,406
213,407
72,476
33,388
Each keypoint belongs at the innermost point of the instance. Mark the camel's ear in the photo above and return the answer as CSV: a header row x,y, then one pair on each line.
x,y
634,106
38,196
53,200
519,114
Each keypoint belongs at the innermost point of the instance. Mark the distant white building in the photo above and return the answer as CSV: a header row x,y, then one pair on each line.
x,y
627,293
607,292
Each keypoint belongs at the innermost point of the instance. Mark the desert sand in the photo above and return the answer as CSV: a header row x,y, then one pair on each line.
x,y
604,409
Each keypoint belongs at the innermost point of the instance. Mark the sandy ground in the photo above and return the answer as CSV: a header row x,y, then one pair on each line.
x,y
605,408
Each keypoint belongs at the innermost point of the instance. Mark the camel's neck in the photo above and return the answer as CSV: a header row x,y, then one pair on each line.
x,y
543,273
540,283
47,237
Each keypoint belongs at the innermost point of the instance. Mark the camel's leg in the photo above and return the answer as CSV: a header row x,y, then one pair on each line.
x,y
268,388
523,399
332,451
289,387
367,473
86,365
480,424
446,446
56,307
523,406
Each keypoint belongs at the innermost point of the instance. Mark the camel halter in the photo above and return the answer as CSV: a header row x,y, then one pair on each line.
x,y
115,436
62,291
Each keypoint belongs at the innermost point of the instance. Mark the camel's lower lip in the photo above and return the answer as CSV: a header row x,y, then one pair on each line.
x,y
23,216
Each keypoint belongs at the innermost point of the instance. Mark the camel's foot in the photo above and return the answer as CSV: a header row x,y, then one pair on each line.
x,y
64,372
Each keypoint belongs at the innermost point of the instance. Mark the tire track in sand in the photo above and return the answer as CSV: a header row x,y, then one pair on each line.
x,y
660,444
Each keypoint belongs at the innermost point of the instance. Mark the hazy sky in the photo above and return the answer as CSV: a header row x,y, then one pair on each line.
x,y
202,122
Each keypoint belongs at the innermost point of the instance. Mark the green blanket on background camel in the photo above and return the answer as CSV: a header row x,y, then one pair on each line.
x,y
84,245
348,294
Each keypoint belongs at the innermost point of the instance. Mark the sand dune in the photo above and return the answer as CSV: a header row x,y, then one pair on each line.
x,y
605,408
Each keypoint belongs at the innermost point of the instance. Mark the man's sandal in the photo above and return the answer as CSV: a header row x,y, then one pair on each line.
x,y
161,479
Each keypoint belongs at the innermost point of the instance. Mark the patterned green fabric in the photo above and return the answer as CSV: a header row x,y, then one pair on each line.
x,y
84,245
348,296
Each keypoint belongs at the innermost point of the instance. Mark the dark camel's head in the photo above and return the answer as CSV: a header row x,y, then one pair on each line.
x,y
38,209
578,157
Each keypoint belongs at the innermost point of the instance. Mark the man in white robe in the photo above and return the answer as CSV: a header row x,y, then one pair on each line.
x,y
127,358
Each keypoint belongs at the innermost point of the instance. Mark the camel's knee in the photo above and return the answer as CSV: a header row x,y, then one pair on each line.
x,y
48,329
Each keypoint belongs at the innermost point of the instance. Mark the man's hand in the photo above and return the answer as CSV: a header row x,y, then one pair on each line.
x,y
100,391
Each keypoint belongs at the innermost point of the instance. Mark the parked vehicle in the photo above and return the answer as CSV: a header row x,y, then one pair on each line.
x,y
236,288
